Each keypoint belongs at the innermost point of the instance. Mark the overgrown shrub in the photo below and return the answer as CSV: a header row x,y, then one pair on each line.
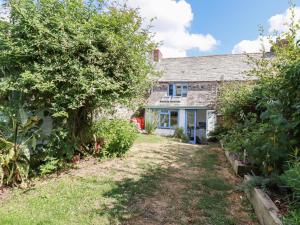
x,y
81,57
113,137
293,217
291,178
151,122
150,126
235,101
263,117
267,146
50,165
218,133
18,137
179,133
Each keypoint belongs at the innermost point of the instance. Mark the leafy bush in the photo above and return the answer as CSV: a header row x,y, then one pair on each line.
x,y
113,137
150,126
234,138
263,118
151,122
291,177
293,218
235,101
218,133
179,133
14,162
266,145
51,165
98,62
272,182
18,136
58,146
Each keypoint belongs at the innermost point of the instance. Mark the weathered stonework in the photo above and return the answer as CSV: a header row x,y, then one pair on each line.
x,y
200,94
203,75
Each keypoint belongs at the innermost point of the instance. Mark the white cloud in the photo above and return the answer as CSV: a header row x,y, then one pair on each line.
x,y
278,23
172,20
252,46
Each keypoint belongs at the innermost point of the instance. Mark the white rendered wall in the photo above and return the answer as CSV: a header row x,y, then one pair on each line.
x,y
181,115
165,132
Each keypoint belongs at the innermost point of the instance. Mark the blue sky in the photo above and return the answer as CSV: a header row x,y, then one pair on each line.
x,y
231,21
204,27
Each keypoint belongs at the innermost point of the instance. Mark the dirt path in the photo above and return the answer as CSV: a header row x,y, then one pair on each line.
x,y
176,179
165,183
194,186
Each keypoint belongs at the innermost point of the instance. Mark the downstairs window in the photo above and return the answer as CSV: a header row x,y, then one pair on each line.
x,y
168,119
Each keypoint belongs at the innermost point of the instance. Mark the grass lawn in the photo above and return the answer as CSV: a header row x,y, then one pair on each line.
x,y
158,182
149,138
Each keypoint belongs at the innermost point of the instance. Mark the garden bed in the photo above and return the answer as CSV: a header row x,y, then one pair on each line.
x,y
265,209
269,209
239,168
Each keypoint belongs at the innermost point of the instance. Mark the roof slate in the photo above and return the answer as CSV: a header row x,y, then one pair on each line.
x,y
205,68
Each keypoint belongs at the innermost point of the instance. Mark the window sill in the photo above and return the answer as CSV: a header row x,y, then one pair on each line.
x,y
172,99
167,128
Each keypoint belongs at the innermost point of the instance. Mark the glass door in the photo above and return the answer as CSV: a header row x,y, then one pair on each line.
x,y
191,120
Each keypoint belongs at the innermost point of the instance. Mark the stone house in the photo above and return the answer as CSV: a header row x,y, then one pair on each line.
x,y
185,94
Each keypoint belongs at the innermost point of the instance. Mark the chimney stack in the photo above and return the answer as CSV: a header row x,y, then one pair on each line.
x,y
280,43
157,56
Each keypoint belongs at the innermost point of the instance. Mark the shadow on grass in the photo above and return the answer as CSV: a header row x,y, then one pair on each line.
x,y
127,195
198,198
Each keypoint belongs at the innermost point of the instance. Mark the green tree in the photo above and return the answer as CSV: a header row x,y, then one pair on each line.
x,y
73,57
264,118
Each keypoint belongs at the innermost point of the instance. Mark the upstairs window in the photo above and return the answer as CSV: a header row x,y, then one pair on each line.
x,y
184,90
171,89
179,90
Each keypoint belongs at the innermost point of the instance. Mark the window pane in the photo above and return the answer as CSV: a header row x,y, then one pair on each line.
x,y
170,89
164,120
184,90
178,90
174,119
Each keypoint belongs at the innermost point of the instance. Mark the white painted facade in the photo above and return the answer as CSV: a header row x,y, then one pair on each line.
x,y
190,86
204,121
181,116
165,132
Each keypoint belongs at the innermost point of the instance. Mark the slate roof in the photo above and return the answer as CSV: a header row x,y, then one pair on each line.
x,y
202,69
205,68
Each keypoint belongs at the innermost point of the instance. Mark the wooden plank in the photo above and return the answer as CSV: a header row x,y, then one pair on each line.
x,y
238,167
265,209
222,145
